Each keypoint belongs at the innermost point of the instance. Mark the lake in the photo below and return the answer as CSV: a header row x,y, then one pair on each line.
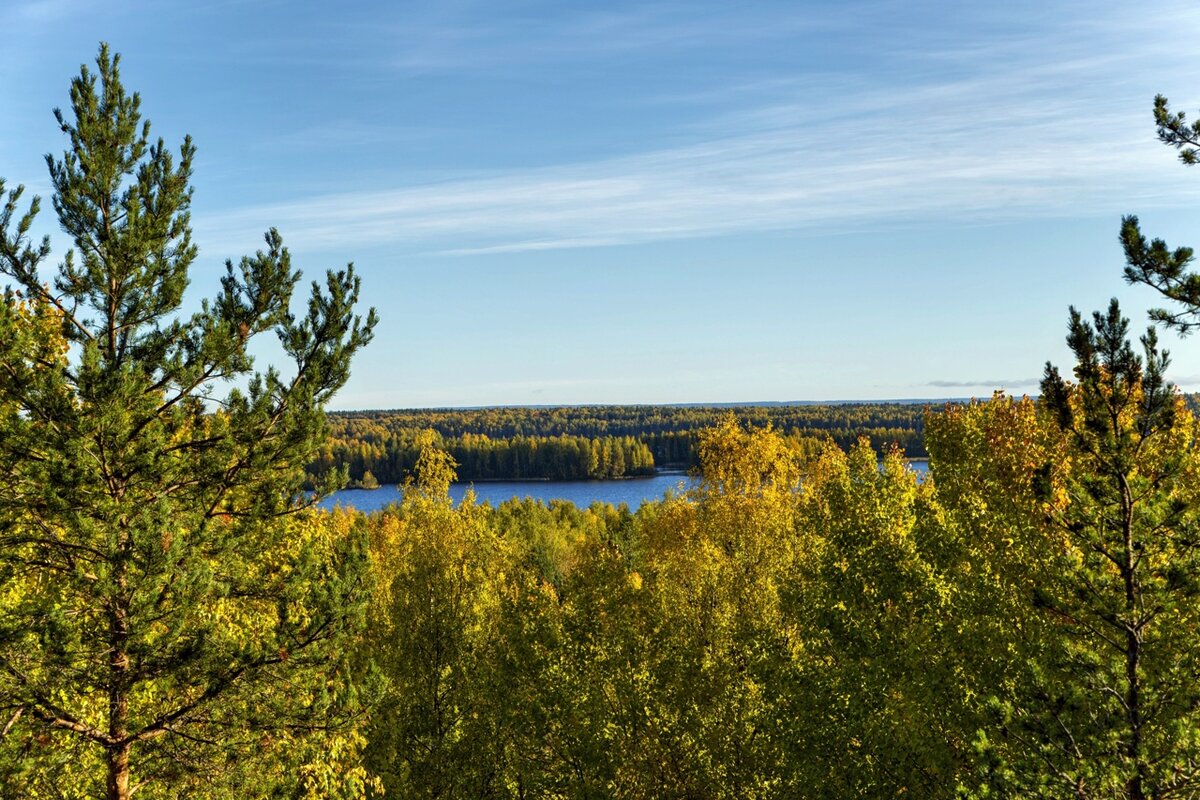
x,y
632,491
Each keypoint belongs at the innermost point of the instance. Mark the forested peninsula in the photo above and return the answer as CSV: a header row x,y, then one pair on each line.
x,y
592,442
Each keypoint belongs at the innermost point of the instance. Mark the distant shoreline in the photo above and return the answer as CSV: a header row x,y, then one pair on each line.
x,y
683,473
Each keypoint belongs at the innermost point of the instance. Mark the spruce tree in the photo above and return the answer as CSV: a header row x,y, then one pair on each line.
x,y
169,620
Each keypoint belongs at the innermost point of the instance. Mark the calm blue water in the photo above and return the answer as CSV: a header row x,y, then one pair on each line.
x,y
633,491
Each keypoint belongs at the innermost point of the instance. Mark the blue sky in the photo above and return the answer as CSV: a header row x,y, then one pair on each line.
x,y
660,202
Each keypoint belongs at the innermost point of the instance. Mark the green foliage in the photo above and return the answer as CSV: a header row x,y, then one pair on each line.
x,y
1155,264
169,619
728,643
819,627
808,621
1163,269
878,709
596,442
1174,130
1076,522
436,568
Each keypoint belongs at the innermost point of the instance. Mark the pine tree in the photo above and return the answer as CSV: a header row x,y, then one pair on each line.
x,y
1153,263
1080,535
1120,677
169,620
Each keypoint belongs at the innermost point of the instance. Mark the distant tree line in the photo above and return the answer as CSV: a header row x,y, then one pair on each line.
x,y
372,457
590,442
803,623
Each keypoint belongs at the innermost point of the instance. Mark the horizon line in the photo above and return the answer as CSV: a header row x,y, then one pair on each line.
x,y
727,404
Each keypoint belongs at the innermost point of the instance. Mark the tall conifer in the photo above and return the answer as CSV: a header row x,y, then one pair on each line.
x,y
165,614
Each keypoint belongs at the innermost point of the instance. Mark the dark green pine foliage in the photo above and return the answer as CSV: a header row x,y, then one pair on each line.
x,y
1110,706
1154,263
168,621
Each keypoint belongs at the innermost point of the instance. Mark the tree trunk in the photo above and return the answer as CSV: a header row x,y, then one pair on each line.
x,y
118,676
118,773
1133,649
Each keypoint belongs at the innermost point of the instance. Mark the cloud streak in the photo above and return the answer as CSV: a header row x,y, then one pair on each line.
x,y
467,36
1010,136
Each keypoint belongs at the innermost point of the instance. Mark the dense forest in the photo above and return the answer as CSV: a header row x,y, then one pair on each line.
x,y
814,625
588,442
807,622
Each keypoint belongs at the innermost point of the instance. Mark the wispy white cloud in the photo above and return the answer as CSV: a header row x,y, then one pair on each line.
x,y
1056,125
456,36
